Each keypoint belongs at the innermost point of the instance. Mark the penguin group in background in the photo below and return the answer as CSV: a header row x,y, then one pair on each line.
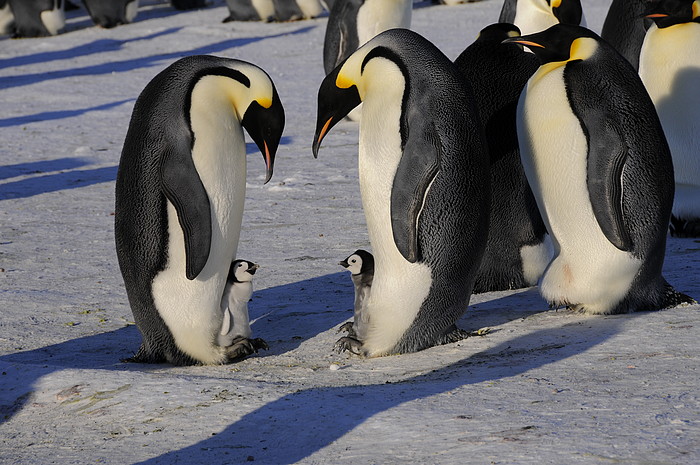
x,y
450,2
669,66
235,328
516,252
351,23
598,163
537,15
112,13
179,200
361,267
625,27
33,18
424,171
272,10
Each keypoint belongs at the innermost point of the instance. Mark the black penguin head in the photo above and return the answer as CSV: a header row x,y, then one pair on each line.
x,y
264,121
241,271
359,262
498,32
666,13
559,43
567,11
336,98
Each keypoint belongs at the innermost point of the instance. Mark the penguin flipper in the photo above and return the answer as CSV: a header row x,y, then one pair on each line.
x,y
417,169
335,51
607,155
184,189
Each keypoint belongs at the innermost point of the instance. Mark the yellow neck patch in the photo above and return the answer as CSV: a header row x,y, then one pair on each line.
x,y
555,3
343,82
696,9
264,102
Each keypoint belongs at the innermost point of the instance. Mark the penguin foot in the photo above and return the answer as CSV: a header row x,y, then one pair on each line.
x,y
241,347
455,335
349,328
680,227
348,343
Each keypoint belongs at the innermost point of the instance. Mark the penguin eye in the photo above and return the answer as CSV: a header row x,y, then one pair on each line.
x,y
353,261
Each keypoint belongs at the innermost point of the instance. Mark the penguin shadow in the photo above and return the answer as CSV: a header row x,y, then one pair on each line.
x,y
302,423
684,84
56,115
89,48
20,370
123,66
66,177
285,316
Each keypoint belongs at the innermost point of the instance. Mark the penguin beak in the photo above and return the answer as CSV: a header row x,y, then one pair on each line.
x,y
265,127
344,264
253,269
334,103
521,41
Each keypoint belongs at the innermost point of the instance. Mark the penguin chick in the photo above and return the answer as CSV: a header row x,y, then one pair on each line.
x,y
599,166
361,267
669,66
235,329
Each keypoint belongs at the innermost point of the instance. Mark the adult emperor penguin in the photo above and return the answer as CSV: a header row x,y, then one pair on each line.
x,y
272,10
516,251
352,23
37,18
537,15
596,158
670,69
625,27
111,13
423,168
179,200
361,267
234,306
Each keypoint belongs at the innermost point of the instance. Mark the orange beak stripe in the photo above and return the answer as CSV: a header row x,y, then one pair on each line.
x,y
657,15
527,42
324,130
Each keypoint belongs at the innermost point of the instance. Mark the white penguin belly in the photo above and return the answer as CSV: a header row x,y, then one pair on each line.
x,y
670,69
132,10
535,259
587,269
533,16
310,8
265,9
53,20
399,287
191,308
6,19
377,16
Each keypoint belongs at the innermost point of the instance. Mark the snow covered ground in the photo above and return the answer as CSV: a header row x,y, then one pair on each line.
x,y
544,386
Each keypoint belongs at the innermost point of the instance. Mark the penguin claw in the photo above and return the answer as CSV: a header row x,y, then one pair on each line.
x,y
348,343
242,347
348,328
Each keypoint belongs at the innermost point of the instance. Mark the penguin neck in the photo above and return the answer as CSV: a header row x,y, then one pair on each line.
x,y
376,16
240,293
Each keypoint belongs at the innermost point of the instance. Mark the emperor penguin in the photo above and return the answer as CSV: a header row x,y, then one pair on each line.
x,y
36,18
7,19
235,329
625,27
112,13
518,248
537,15
424,183
598,163
272,10
179,200
361,267
669,66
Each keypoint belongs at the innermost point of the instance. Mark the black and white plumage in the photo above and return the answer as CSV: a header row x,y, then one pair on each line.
x,y
33,18
188,4
518,249
423,168
272,10
537,15
179,199
669,66
235,329
625,27
111,13
361,267
598,163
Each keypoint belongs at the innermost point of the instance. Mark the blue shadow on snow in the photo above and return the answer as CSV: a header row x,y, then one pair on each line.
x,y
54,115
56,182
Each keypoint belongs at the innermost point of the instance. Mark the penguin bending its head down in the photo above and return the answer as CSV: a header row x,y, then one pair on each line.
x,y
537,15
179,200
35,18
361,267
669,66
235,330
599,165
423,168
516,252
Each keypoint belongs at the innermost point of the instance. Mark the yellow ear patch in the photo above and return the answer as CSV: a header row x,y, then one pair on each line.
x,y
582,48
264,102
696,9
343,82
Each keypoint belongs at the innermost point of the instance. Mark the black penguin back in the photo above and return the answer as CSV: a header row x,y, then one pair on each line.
x,y
498,72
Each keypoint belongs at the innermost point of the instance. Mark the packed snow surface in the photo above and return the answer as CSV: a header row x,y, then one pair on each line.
x,y
543,386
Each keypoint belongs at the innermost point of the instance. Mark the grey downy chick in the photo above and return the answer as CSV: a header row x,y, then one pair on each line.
x,y
361,267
